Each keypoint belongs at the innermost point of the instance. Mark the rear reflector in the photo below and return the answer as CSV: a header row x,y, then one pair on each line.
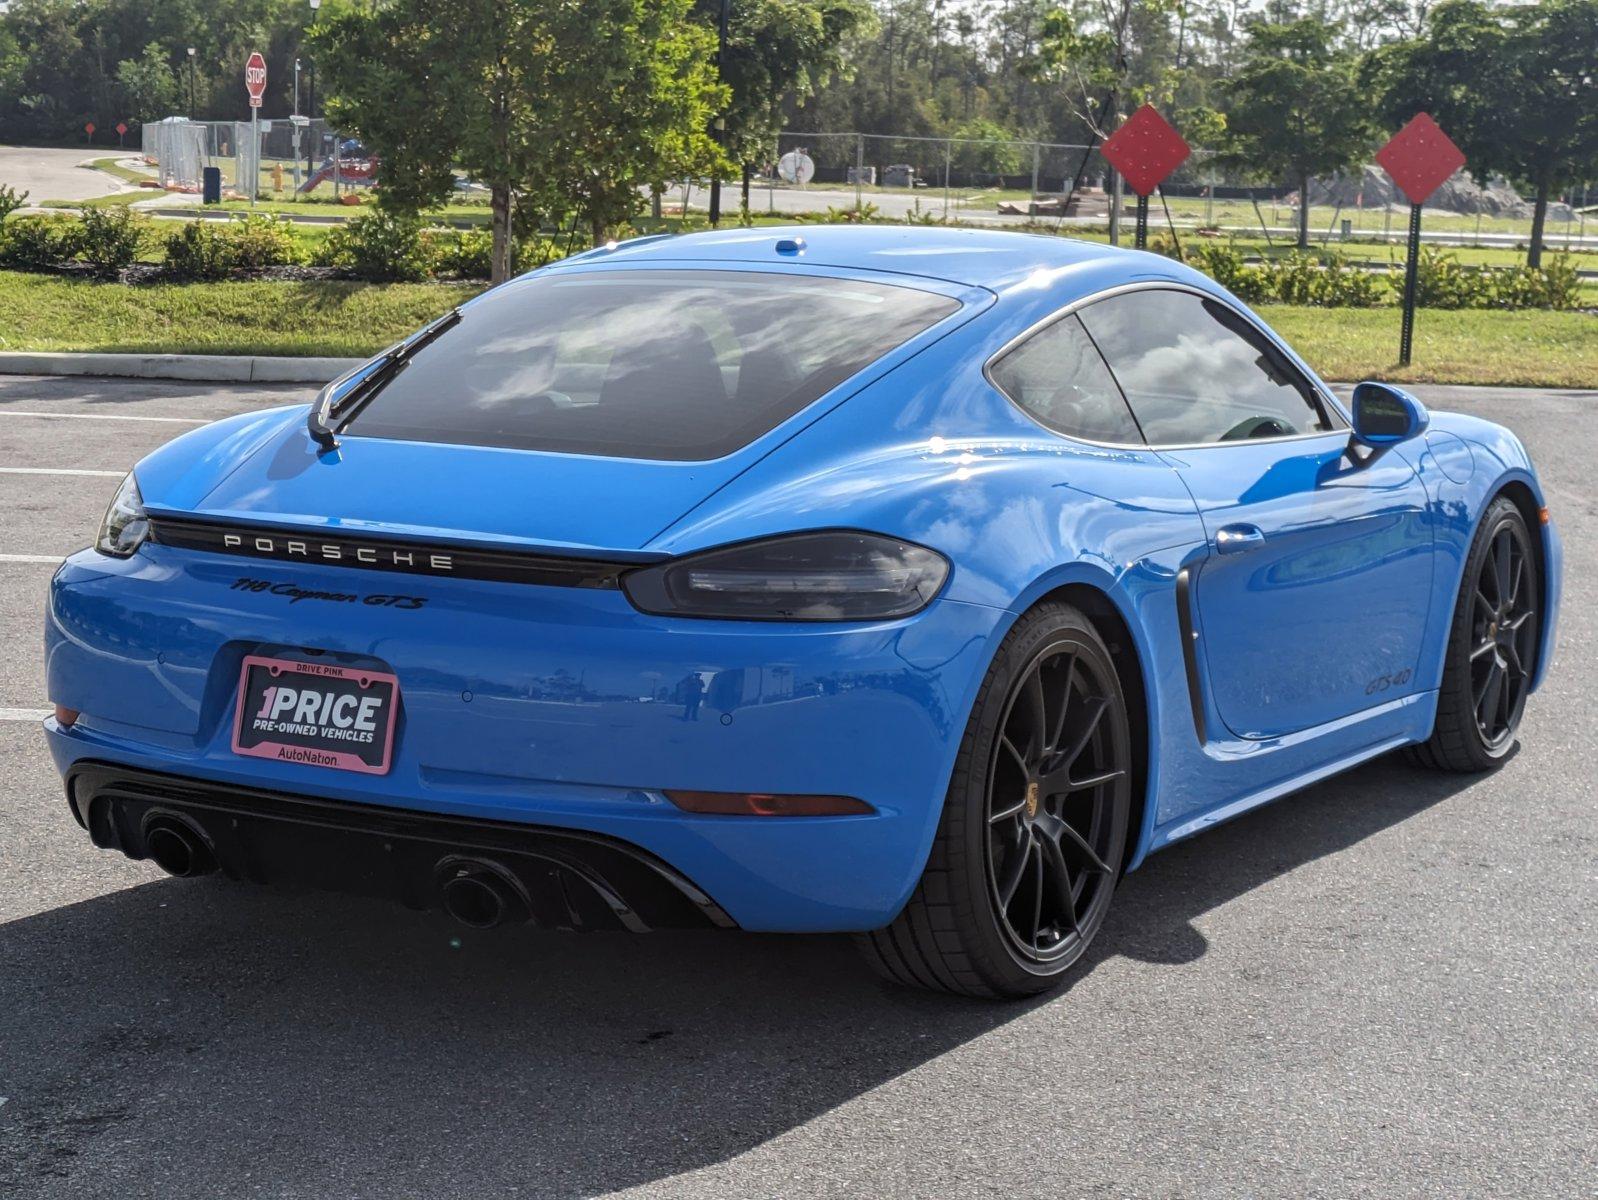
x,y
1542,514
65,717
763,804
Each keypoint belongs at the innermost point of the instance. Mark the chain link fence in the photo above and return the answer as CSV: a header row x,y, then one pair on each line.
x,y
277,157
1012,182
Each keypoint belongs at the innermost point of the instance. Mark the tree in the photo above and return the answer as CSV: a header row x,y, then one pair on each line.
x,y
985,148
780,53
1096,56
568,108
1514,87
147,86
1294,109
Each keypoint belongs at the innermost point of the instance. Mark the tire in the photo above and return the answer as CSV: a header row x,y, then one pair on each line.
x,y
1064,838
1495,628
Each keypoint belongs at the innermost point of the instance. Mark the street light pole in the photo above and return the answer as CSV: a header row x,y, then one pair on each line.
x,y
310,105
721,121
191,83
295,121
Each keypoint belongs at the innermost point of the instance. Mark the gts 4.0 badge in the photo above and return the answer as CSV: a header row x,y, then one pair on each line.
x,y
1384,683
294,593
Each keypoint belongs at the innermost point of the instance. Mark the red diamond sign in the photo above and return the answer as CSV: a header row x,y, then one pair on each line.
x,y
122,128
1145,150
1420,157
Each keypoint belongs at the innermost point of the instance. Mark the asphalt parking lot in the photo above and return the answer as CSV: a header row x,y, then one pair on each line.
x,y
1387,985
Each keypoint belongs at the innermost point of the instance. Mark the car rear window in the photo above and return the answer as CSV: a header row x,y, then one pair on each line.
x,y
674,365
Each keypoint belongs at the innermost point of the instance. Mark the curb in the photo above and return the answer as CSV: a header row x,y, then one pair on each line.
x,y
198,368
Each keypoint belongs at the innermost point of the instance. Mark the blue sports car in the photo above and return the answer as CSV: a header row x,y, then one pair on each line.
x,y
915,583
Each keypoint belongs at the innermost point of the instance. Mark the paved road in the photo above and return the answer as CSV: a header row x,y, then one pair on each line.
x,y
1384,986
54,174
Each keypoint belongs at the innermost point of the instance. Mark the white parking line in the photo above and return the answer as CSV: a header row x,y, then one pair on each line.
x,y
51,559
24,714
59,471
54,416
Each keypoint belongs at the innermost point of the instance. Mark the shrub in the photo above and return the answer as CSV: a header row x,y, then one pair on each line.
x,y
1324,280
1226,266
1442,282
1556,285
380,246
213,250
465,254
109,238
38,243
539,251
1292,280
260,241
853,216
198,250
10,200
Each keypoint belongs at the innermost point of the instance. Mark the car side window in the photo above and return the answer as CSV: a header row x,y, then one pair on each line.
x,y
1059,378
1195,370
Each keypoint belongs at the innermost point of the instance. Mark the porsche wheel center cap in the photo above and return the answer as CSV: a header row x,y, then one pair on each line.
x,y
1032,799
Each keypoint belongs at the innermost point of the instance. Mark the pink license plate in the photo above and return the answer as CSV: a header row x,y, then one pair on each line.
x,y
316,713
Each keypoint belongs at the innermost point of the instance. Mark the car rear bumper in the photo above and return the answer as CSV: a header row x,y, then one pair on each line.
x,y
561,879
559,708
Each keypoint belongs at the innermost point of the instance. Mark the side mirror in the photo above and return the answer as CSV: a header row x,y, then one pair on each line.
x,y
1385,415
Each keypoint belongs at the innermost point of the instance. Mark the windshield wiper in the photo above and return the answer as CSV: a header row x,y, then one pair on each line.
x,y
326,418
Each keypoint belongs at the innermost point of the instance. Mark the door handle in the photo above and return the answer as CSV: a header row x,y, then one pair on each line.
x,y
1234,539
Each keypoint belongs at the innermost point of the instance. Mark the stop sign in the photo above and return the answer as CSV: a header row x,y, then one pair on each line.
x,y
88,128
255,78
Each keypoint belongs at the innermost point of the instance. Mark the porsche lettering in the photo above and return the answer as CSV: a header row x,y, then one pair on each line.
x,y
310,551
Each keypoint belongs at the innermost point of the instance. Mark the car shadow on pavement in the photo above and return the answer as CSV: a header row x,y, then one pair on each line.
x,y
241,1039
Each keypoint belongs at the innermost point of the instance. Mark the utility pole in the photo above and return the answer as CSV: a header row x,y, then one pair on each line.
x,y
721,120
295,121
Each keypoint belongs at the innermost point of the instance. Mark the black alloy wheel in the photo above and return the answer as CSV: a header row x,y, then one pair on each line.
x,y
1503,635
1034,827
1051,804
1492,648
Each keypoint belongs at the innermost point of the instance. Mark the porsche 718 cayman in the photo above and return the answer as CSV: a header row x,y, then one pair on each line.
x,y
911,582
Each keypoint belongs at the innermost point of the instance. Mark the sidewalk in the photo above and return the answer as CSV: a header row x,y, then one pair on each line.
x,y
218,368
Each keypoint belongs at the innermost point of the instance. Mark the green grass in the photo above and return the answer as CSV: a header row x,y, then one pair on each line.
x,y
114,200
1530,349
473,213
39,312
114,167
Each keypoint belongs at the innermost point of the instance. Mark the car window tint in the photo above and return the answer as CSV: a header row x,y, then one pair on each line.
x,y
1058,377
673,365
1194,370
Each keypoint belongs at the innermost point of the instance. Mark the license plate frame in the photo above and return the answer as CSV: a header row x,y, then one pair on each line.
x,y
333,744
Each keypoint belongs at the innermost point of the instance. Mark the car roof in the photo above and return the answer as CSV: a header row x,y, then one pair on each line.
x,y
997,259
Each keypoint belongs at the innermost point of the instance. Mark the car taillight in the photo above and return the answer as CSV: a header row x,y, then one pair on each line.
x,y
833,575
125,525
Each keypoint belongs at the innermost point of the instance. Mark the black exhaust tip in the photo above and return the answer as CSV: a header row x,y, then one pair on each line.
x,y
480,893
176,847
